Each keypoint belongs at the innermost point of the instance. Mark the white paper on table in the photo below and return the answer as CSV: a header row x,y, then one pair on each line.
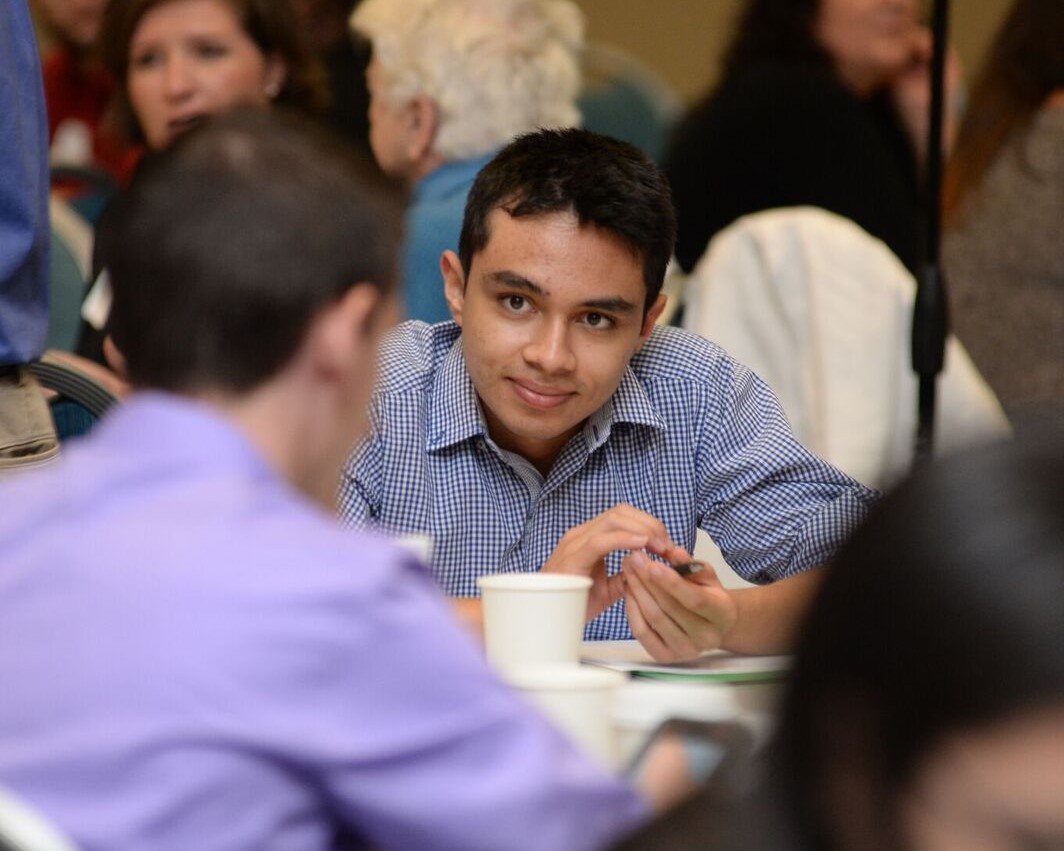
x,y
629,656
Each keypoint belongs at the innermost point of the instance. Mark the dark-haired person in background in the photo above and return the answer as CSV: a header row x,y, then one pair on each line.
x,y
822,103
26,431
344,56
194,654
552,426
925,709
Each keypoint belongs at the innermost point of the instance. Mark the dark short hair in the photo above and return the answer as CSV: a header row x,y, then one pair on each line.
x,y
603,181
941,615
271,24
233,239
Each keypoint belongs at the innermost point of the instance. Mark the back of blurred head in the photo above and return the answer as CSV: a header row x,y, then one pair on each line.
x,y
487,69
942,618
253,272
233,242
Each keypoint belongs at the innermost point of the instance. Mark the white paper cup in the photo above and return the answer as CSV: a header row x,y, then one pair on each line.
x,y
533,619
579,700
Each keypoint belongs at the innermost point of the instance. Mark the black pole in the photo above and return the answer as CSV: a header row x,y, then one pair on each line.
x,y
930,322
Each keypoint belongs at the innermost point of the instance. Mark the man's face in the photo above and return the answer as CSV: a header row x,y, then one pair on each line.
x,y
551,314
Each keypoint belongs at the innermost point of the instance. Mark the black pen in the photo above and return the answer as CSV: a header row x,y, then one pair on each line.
x,y
686,568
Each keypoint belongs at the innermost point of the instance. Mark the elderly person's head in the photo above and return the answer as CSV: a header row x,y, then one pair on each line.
x,y
456,79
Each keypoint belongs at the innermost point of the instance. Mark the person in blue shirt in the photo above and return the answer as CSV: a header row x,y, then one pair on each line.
x,y
552,426
189,660
451,82
26,432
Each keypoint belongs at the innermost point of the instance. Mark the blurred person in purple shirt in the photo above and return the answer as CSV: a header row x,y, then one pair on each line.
x,y
193,654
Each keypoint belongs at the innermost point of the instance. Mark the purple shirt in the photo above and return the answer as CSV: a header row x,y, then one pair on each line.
x,y
194,656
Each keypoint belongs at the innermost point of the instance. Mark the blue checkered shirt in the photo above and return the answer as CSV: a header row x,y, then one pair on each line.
x,y
690,436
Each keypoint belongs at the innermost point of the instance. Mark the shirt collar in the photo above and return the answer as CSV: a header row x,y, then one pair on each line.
x,y
628,404
187,433
449,178
456,414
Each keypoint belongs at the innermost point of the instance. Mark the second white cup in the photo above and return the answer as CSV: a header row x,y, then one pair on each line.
x,y
579,700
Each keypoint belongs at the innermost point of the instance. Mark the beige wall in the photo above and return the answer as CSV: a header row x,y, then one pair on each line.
x,y
682,39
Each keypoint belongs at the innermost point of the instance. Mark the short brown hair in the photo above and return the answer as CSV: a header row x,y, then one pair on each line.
x,y
231,241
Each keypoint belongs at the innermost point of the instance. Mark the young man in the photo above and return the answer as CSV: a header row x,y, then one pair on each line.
x,y
188,658
550,426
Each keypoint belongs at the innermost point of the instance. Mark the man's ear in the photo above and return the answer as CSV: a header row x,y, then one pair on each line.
x,y
454,283
339,335
652,316
422,124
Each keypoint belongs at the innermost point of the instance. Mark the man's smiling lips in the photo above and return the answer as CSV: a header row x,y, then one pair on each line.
x,y
539,396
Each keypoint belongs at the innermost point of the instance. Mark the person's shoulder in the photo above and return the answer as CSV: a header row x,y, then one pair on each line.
x,y
319,539
750,107
672,354
776,78
411,354
1040,143
771,90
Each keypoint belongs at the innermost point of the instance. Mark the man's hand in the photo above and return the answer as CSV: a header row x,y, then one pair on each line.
x,y
583,550
675,617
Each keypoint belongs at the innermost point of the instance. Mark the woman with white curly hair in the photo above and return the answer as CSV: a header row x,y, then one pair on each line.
x,y
451,82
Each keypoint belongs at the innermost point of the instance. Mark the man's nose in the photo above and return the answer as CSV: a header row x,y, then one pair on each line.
x,y
550,348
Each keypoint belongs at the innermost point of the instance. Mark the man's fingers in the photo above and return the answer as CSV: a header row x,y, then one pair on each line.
x,y
646,636
681,602
676,641
582,555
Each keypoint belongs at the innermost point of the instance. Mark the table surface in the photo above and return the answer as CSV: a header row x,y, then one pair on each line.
x,y
645,702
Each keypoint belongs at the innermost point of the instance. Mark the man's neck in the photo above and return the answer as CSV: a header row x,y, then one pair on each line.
x,y
292,432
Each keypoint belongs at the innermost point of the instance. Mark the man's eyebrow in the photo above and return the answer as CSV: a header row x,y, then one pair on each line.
x,y
610,304
616,304
507,278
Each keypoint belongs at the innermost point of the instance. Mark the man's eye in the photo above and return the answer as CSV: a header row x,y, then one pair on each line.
x,y
598,320
514,302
